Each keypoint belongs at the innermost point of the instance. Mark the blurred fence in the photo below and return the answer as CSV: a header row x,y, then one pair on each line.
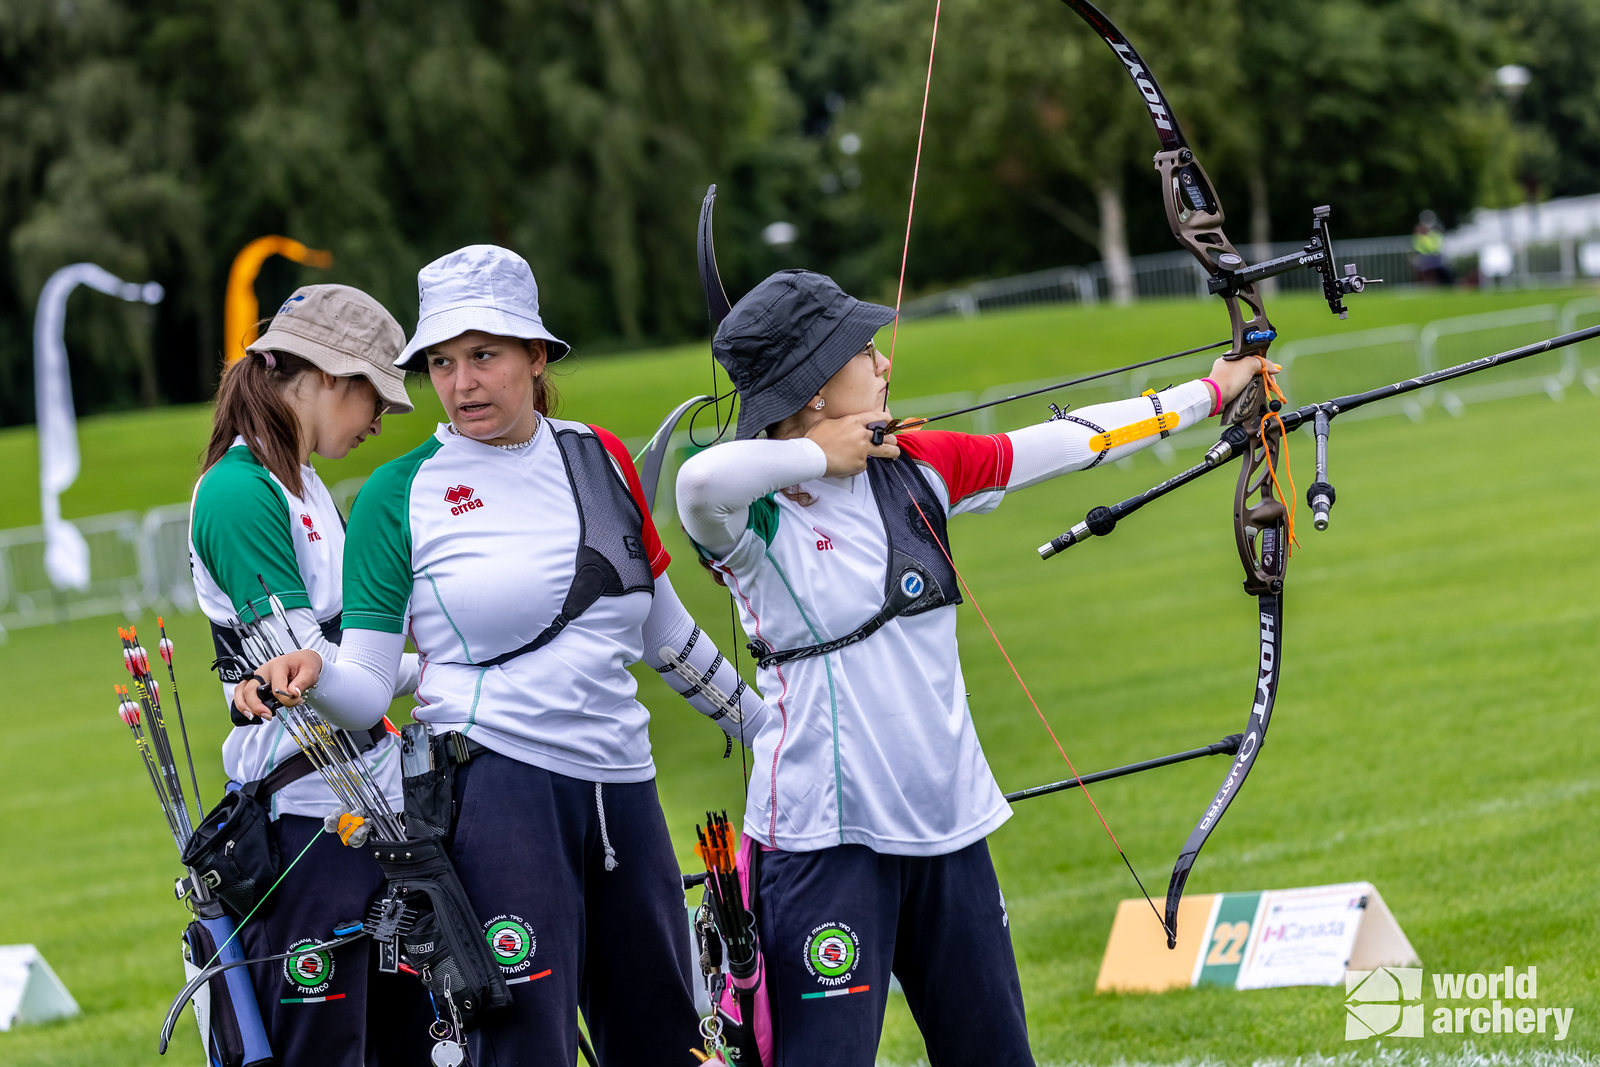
x,y
141,562
1531,263
136,562
1165,274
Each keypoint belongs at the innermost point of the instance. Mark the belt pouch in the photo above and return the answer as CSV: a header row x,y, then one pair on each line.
x,y
430,794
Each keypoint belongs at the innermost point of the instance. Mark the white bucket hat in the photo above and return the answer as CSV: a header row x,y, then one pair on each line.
x,y
479,287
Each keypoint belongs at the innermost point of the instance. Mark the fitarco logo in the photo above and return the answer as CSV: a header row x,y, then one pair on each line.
x,y
1509,1009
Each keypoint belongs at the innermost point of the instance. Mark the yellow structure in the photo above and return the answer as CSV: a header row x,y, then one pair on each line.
x,y
1137,959
240,309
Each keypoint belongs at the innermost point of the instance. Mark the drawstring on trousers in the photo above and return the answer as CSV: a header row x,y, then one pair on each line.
x,y
605,836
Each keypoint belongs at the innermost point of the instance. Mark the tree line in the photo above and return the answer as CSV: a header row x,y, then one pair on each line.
x,y
157,137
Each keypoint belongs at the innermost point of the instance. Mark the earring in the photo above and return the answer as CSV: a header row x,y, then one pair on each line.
x,y
820,404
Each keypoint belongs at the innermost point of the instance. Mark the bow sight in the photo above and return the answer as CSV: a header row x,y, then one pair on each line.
x,y
1317,255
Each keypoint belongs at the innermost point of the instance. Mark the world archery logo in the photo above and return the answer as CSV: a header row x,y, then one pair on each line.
x,y
309,972
831,953
311,528
461,497
1386,1002
512,942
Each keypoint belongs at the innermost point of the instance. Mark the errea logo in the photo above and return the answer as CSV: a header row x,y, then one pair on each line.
x,y
460,496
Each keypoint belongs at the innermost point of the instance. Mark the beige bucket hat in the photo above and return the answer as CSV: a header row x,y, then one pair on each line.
x,y
342,331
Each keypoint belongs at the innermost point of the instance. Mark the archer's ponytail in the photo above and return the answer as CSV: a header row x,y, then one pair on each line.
x,y
251,403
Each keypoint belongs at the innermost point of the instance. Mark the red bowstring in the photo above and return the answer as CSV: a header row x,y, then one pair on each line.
x,y
900,288
911,206
967,589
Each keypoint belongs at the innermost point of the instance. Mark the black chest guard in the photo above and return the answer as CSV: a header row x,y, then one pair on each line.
x,y
611,556
919,577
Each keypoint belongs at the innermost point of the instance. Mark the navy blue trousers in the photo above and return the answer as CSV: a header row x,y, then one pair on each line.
x,y
330,1009
569,934
834,923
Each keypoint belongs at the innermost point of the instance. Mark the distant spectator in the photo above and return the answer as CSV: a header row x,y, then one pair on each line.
x,y
1428,241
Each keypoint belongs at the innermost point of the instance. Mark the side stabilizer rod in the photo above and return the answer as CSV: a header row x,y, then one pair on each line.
x,y
1228,746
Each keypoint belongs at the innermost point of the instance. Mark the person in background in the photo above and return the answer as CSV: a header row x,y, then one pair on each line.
x,y
1428,242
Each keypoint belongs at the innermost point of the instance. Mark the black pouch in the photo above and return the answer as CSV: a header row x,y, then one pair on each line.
x,y
430,793
445,944
234,853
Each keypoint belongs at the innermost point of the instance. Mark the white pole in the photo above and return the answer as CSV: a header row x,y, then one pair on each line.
x,y
66,554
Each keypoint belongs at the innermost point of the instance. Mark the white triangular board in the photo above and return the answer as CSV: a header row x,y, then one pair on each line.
x,y
30,992
1312,936
1380,941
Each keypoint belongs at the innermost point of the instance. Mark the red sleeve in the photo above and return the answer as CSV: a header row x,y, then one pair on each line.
x,y
652,540
968,462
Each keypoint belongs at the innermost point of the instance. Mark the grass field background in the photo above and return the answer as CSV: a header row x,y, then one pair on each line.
x,y
1436,730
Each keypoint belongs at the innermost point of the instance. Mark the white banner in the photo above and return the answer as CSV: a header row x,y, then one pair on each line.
x,y
66,554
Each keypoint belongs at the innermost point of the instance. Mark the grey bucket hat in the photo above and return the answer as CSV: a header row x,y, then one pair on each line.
x,y
786,338
345,332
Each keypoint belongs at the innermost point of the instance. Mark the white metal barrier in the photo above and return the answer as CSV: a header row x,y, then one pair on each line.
x,y
1163,274
138,562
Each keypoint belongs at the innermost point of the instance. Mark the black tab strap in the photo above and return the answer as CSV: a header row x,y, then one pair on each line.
x,y
546,635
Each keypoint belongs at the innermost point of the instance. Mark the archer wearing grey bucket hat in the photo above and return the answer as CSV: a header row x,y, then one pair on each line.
x,y
785,339
839,556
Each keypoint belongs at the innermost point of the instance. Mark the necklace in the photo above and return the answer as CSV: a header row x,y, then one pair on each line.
x,y
518,447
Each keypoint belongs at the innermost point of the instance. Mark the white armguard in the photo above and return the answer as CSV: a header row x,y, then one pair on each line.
x,y
689,661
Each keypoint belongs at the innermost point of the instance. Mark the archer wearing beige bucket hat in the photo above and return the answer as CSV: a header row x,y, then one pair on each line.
x,y
267,540
344,332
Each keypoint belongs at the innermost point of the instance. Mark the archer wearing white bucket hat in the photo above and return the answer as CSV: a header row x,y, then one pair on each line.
x,y
479,287
518,552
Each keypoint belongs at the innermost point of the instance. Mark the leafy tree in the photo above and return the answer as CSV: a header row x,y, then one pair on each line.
x,y
94,164
1374,106
1554,122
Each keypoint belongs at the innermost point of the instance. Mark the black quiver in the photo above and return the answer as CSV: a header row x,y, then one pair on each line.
x,y
445,944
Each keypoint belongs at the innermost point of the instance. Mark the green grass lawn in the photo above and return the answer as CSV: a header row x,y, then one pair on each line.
x,y
1436,729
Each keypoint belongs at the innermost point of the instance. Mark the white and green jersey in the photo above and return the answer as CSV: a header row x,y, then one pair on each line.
x,y
471,550
243,522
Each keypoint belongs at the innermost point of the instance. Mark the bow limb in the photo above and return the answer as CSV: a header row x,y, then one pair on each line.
x,y
655,452
1193,209
1195,214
